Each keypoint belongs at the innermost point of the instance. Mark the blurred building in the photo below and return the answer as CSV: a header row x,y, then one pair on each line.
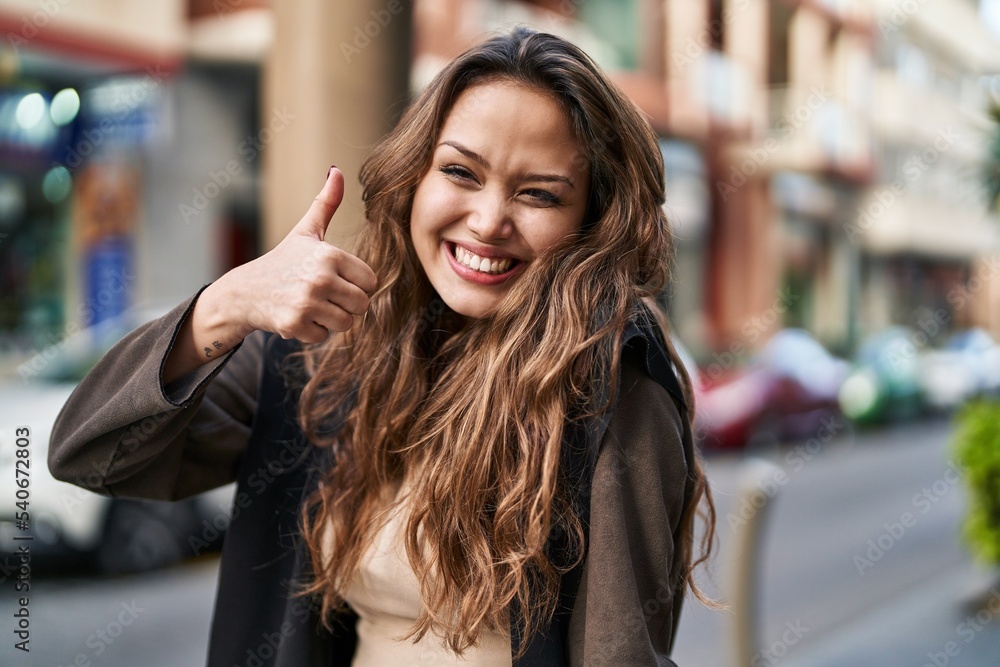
x,y
788,144
116,123
928,241
135,136
818,137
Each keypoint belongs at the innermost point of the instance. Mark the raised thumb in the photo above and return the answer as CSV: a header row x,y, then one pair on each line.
x,y
316,220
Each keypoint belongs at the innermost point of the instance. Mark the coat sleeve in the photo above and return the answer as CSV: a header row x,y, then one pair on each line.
x,y
630,593
123,433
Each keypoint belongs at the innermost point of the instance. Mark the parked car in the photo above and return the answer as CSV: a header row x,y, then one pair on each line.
x,y
982,353
120,535
785,392
885,383
968,365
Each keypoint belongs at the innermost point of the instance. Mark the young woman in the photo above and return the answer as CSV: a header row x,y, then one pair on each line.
x,y
469,444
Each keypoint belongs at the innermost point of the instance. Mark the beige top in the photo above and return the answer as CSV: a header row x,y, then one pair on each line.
x,y
386,596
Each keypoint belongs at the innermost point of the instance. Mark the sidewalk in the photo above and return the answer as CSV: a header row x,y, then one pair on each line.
x,y
952,620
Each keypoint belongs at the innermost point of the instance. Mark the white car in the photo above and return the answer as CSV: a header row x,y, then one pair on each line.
x,y
967,366
121,535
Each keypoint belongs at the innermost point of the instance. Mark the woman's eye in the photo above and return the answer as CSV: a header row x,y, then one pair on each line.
x,y
543,197
455,171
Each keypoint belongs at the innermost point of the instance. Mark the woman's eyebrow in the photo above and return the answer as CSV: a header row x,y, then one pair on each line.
x,y
547,178
484,163
467,152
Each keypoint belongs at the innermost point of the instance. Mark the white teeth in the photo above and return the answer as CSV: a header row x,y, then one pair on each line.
x,y
483,264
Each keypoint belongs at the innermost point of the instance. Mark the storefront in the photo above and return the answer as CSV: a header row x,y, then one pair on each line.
x,y
71,140
109,177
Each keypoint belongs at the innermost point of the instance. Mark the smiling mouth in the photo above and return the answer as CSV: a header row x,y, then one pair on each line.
x,y
491,266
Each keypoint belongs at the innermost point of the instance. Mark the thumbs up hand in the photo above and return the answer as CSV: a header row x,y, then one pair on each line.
x,y
306,288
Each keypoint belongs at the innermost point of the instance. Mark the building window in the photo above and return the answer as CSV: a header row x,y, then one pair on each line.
x,y
912,64
780,18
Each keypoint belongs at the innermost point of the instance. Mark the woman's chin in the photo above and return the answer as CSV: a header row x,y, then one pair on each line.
x,y
469,306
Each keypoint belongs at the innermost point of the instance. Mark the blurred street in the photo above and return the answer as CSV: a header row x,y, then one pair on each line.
x,y
904,606
816,575
156,619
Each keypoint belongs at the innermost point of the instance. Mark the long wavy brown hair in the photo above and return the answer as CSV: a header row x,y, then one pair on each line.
x,y
481,406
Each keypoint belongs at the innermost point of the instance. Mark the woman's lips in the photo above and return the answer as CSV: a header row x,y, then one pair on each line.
x,y
478,277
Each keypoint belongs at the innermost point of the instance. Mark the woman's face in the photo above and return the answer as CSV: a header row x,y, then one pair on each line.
x,y
505,184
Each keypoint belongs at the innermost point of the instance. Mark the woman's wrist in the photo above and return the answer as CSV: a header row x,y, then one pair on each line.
x,y
219,316
213,327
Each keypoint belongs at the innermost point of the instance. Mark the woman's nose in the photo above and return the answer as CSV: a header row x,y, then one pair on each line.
x,y
490,219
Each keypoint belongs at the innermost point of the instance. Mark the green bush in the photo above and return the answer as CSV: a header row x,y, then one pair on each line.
x,y
977,449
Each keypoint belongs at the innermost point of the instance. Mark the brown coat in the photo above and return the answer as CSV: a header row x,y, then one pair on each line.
x,y
121,433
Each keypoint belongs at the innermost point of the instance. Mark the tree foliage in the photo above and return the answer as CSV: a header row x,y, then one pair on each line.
x,y
977,449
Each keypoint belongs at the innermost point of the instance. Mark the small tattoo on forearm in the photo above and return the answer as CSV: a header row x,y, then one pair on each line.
x,y
208,350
